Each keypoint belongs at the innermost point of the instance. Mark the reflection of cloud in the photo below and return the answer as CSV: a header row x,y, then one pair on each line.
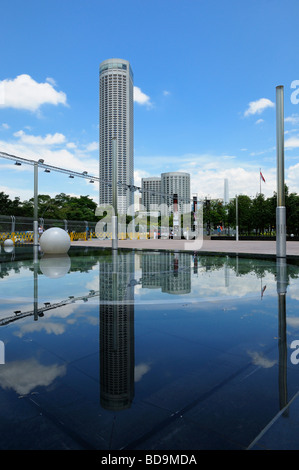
x,y
24,376
293,322
259,360
293,291
48,327
140,371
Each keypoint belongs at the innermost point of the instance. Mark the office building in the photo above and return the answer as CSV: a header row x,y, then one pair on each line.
x,y
116,120
151,193
176,183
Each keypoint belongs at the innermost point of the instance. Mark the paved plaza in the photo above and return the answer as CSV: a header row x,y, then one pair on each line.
x,y
263,248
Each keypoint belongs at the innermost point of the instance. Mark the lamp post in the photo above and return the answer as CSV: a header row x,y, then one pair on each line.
x,y
35,212
114,220
237,219
280,209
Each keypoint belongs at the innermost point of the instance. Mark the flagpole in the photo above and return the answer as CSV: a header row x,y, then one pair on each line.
x,y
260,182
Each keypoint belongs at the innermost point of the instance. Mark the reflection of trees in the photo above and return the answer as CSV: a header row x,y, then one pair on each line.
x,y
167,270
243,266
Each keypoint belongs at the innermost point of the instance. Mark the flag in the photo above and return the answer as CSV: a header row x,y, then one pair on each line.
x,y
262,292
262,177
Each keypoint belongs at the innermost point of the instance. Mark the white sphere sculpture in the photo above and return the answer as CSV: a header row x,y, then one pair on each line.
x,y
55,240
8,242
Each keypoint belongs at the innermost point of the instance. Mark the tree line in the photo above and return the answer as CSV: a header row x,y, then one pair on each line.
x,y
255,215
60,207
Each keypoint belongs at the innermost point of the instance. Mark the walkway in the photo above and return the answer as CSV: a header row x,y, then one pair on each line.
x,y
267,248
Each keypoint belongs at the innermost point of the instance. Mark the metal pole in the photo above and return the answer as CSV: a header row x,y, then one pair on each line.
x,y
35,215
280,209
237,219
114,195
282,278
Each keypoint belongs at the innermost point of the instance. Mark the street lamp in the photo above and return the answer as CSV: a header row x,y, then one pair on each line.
x,y
280,209
35,215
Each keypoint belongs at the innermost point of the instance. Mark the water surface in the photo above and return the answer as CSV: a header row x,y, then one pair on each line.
x,y
144,350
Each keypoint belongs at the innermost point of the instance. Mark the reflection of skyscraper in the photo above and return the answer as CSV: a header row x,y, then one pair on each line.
x,y
178,280
166,270
117,332
116,120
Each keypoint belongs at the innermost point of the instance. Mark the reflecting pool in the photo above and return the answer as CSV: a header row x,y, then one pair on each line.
x,y
144,350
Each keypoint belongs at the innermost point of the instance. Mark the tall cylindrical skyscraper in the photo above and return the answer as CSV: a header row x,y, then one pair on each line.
x,y
176,183
116,120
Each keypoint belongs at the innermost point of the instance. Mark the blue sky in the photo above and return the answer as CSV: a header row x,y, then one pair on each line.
x,y
205,73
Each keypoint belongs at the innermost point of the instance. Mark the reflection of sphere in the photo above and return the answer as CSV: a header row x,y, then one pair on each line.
x,y
8,242
9,249
55,240
55,266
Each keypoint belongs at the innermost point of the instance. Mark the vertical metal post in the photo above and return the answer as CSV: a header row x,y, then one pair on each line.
x,y
237,219
282,279
114,220
280,209
35,282
35,214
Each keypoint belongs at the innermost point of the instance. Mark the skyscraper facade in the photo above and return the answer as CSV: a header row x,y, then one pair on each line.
x,y
178,183
116,120
151,193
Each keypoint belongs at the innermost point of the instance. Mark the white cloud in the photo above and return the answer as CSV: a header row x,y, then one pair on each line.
x,y
140,97
49,139
51,81
23,92
138,174
292,142
257,107
53,149
5,126
92,146
292,178
259,121
71,145
23,194
294,119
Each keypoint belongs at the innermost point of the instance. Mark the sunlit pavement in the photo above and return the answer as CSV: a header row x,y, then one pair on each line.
x,y
207,246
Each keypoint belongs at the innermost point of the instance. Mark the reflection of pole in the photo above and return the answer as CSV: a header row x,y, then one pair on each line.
x,y
237,219
35,215
115,301
280,209
282,334
35,282
114,220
